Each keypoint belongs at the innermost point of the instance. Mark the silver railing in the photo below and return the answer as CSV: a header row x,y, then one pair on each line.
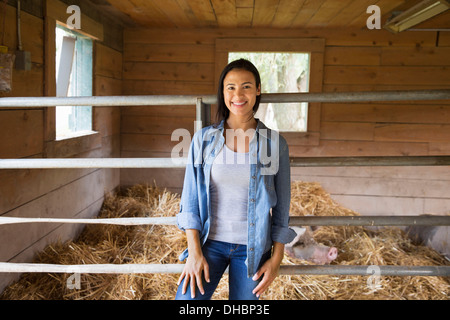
x,y
203,105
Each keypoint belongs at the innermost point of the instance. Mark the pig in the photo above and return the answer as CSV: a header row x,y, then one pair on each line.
x,y
436,237
304,247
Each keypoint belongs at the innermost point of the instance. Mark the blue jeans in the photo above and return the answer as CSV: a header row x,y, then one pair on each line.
x,y
219,256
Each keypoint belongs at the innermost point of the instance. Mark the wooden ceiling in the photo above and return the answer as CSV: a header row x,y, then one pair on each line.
x,y
249,13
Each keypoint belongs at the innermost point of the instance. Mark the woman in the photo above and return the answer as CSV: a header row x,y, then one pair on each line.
x,y
235,202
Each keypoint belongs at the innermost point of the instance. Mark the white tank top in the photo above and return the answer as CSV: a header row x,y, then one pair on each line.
x,y
230,175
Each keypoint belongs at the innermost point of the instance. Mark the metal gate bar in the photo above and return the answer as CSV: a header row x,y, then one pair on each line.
x,y
202,104
442,271
331,97
422,220
77,163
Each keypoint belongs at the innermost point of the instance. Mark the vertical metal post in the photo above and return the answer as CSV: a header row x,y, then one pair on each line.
x,y
199,115
203,114
207,112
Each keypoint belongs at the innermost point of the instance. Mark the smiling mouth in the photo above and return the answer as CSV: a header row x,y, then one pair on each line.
x,y
239,104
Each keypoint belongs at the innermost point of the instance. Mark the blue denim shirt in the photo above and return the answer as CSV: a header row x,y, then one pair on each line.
x,y
269,192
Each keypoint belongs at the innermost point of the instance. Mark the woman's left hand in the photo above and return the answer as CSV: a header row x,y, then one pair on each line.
x,y
269,270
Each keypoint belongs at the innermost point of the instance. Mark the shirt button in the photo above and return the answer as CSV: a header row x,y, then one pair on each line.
x,y
251,249
252,224
252,200
253,177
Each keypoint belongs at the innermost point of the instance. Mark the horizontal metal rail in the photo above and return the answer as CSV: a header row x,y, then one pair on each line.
x,y
345,270
78,163
370,161
111,221
422,220
148,100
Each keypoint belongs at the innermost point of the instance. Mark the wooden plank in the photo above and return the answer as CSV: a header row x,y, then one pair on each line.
x,y
428,56
108,62
264,12
385,187
73,146
22,132
172,179
26,83
106,121
309,8
326,12
244,17
350,131
225,11
271,45
444,39
148,87
169,71
32,184
63,202
143,142
154,125
332,148
335,37
392,113
439,148
301,139
202,53
204,12
163,111
105,86
385,75
353,56
412,132
376,205
286,13
49,77
61,233
405,173
353,10
149,15
178,11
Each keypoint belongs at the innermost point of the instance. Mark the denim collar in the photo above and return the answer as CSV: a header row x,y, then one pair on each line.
x,y
260,125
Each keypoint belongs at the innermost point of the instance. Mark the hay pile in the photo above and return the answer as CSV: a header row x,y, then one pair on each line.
x,y
162,244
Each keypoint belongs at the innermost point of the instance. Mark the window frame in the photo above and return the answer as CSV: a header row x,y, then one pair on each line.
x,y
56,13
74,63
314,46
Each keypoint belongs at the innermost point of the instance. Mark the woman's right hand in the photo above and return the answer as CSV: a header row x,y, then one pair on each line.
x,y
195,266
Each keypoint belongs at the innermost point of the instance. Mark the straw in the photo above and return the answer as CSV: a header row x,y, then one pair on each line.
x,y
162,244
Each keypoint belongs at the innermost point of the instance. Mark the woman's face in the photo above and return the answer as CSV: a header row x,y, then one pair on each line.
x,y
240,92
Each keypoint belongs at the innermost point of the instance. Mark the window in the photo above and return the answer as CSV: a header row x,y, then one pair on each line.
x,y
73,78
281,72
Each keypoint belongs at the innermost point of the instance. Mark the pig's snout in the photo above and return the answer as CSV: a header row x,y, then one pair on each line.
x,y
332,254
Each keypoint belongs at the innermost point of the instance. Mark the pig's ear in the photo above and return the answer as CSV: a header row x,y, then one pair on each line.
x,y
300,232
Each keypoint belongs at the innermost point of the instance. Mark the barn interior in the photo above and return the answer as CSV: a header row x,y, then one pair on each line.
x,y
179,47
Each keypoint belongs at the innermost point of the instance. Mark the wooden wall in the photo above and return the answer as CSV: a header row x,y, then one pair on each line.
x,y
53,193
159,61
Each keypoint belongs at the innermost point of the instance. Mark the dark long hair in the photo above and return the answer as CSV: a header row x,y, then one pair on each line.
x,y
242,64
